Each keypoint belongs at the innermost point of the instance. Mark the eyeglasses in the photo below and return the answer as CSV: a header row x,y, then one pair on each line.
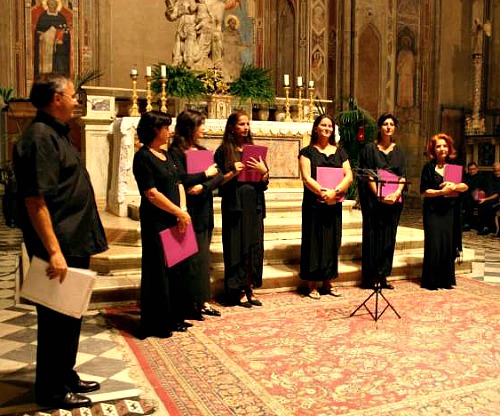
x,y
74,97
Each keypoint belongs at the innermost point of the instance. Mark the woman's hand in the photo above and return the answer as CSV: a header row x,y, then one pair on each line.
x,y
183,220
238,167
257,165
447,187
195,190
212,170
330,196
391,198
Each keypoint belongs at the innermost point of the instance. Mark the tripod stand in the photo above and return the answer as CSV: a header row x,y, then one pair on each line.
x,y
390,181
377,291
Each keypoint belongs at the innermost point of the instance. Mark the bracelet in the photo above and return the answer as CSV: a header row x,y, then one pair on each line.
x,y
184,208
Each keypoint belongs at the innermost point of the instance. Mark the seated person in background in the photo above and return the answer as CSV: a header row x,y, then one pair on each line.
x,y
475,180
489,205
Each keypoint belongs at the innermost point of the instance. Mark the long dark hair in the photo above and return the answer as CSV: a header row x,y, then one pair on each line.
x,y
381,121
314,132
230,142
150,124
187,122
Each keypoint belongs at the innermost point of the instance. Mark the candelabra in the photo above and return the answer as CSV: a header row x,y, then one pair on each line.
x,y
163,97
134,111
149,97
288,118
311,104
300,104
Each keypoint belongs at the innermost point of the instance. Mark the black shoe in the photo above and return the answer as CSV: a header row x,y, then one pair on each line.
x,y
179,327
245,304
484,231
83,386
69,401
255,301
466,227
186,324
387,286
210,311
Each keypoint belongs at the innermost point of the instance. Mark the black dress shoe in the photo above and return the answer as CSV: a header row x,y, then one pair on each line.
x,y
484,231
179,327
83,386
210,311
255,301
245,304
69,401
387,286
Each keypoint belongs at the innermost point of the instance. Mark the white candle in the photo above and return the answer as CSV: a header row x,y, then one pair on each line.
x,y
163,71
287,80
133,71
311,84
299,81
148,71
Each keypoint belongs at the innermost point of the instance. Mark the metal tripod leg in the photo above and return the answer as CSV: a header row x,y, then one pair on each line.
x,y
377,291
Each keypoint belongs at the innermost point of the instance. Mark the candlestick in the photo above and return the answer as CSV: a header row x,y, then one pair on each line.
x,y
148,71
286,79
300,103
149,96
311,101
163,97
134,111
288,118
299,81
164,71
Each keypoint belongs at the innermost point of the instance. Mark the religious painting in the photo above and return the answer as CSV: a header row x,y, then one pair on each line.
x,y
406,69
51,37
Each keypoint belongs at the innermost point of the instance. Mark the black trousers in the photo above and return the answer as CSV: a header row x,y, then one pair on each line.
x,y
57,348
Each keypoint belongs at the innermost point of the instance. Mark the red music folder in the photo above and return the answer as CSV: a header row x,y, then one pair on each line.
x,y
178,246
453,173
198,160
389,183
329,178
249,151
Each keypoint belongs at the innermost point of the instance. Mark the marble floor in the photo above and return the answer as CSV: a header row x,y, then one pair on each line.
x,y
101,356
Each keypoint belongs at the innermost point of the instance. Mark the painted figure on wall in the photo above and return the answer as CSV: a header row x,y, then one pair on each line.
x,y
405,69
51,38
231,39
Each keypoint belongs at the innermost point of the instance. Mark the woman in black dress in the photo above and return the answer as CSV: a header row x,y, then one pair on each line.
x,y
243,213
321,210
199,187
442,215
380,213
163,205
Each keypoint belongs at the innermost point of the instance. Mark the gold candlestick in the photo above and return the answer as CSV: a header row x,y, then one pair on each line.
x,y
300,104
134,111
288,118
149,97
311,104
163,95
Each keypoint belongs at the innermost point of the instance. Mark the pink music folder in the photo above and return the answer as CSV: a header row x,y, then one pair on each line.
x,y
453,173
249,151
329,178
389,183
198,160
178,246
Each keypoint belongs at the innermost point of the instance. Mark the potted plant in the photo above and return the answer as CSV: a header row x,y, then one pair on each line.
x,y
254,84
356,128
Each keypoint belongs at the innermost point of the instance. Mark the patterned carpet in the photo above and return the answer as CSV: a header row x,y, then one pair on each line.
x,y
297,356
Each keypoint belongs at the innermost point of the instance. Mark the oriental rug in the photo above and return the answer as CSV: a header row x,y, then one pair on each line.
x,y
299,356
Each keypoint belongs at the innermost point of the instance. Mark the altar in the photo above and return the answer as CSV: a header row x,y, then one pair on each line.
x,y
283,139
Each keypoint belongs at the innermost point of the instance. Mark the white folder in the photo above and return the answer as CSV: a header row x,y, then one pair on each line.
x,y
71,297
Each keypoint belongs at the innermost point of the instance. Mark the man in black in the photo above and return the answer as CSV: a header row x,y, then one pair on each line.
x,y
489,205
61,225
475,180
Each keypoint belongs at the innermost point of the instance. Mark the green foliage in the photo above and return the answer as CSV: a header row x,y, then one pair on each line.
x,y
214,82
86,77
7,94
181,82
350,121
254,84
320,108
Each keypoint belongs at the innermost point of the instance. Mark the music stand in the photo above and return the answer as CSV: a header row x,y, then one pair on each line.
x,y
370,175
